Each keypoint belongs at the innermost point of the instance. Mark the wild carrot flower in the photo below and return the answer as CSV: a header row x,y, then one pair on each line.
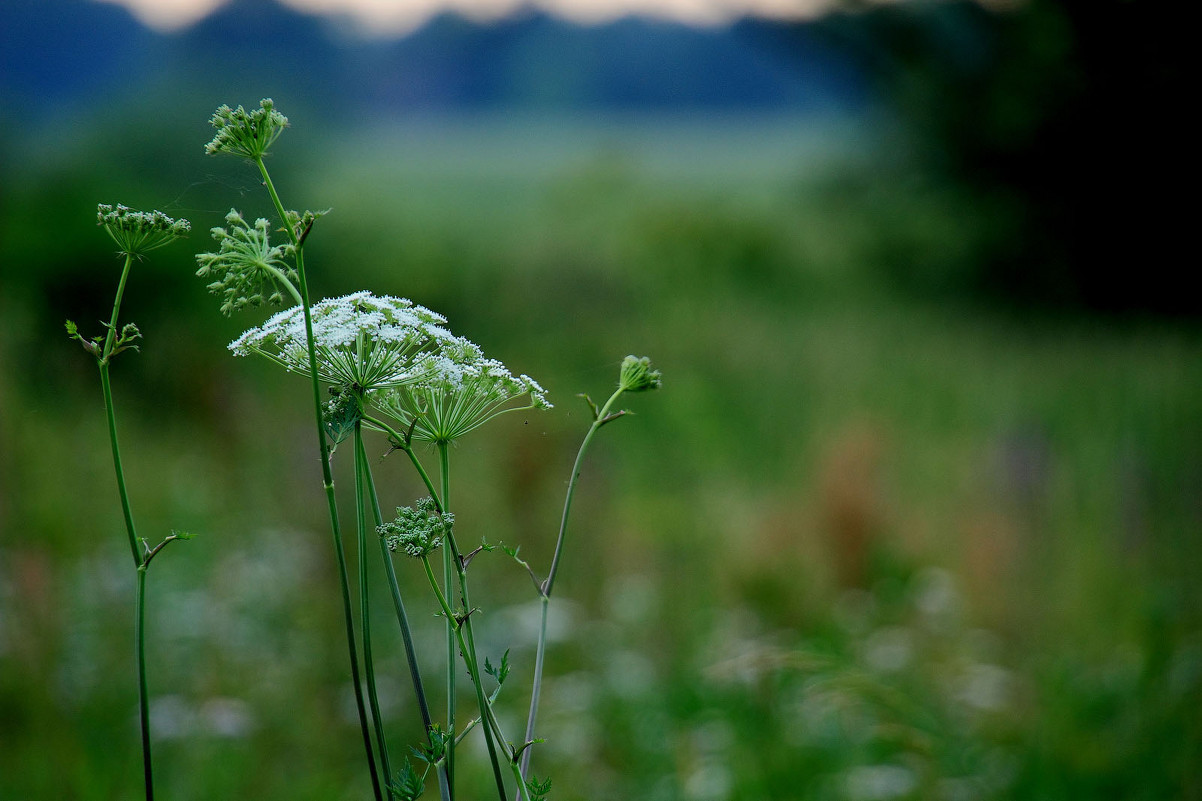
x,y
246,133
248,269
459,397
362,342
138,232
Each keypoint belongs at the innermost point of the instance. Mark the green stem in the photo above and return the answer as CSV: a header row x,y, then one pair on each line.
x,y
107,389
364,611
327,479
143,693
131,531
448,583
453,560
110,412
462,633
402,618
547,585
517,774
399,441
111,337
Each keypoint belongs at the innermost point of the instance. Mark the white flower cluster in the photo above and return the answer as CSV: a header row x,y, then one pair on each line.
x,y
361,341
399,357
459,398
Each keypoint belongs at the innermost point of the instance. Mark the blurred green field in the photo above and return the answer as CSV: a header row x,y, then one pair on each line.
x,y
865,544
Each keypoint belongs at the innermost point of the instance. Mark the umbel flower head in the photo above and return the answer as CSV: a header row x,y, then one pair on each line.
x,y
248,269
246,133
459,397
416,531
362,342
138,232
637,375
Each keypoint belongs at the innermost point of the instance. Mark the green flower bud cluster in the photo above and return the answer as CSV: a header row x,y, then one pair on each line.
x,y
246,133
637,375
416,531
137,232
340,413
248,269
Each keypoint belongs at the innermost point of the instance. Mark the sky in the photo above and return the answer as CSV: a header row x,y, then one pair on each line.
x,y
390,17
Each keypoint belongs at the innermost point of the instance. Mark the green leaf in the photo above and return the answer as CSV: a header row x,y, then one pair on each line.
x,y
538,788
407,786
498,673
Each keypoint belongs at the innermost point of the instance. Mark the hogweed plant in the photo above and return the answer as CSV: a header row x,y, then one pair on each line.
x,y
392,368
136,234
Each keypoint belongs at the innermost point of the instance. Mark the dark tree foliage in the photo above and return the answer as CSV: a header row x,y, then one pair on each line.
x,y
1065,119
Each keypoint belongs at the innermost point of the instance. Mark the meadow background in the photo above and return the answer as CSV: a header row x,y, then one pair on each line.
x,y
916,514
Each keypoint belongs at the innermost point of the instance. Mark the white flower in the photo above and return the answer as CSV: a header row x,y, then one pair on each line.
x,y
361,341
459,395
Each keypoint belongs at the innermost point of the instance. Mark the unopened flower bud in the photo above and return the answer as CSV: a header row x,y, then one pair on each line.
x,y
637,375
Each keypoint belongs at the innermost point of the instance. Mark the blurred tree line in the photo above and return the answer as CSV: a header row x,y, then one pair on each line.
x,y
1059,125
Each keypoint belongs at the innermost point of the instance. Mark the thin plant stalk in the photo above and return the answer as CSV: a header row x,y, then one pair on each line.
x,y
461,630
143,691
139,559
448,582
452,559
599,419
402,617
327,479
364,610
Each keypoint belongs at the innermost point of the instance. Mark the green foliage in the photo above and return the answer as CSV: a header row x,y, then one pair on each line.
x,y
538,788
408,786
499,672
713,645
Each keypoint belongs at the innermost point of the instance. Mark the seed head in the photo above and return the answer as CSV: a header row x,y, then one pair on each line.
x,y
248,270
138,232
246,133
637,375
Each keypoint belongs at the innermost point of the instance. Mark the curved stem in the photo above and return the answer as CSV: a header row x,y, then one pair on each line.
x,y
143,692
398,441
364,611
107,389
536,691
567,504
545,591
327,479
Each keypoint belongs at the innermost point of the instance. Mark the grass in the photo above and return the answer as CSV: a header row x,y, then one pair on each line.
x,y
866,545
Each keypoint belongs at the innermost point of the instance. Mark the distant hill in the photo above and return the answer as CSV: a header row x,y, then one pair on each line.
x,y
80,52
